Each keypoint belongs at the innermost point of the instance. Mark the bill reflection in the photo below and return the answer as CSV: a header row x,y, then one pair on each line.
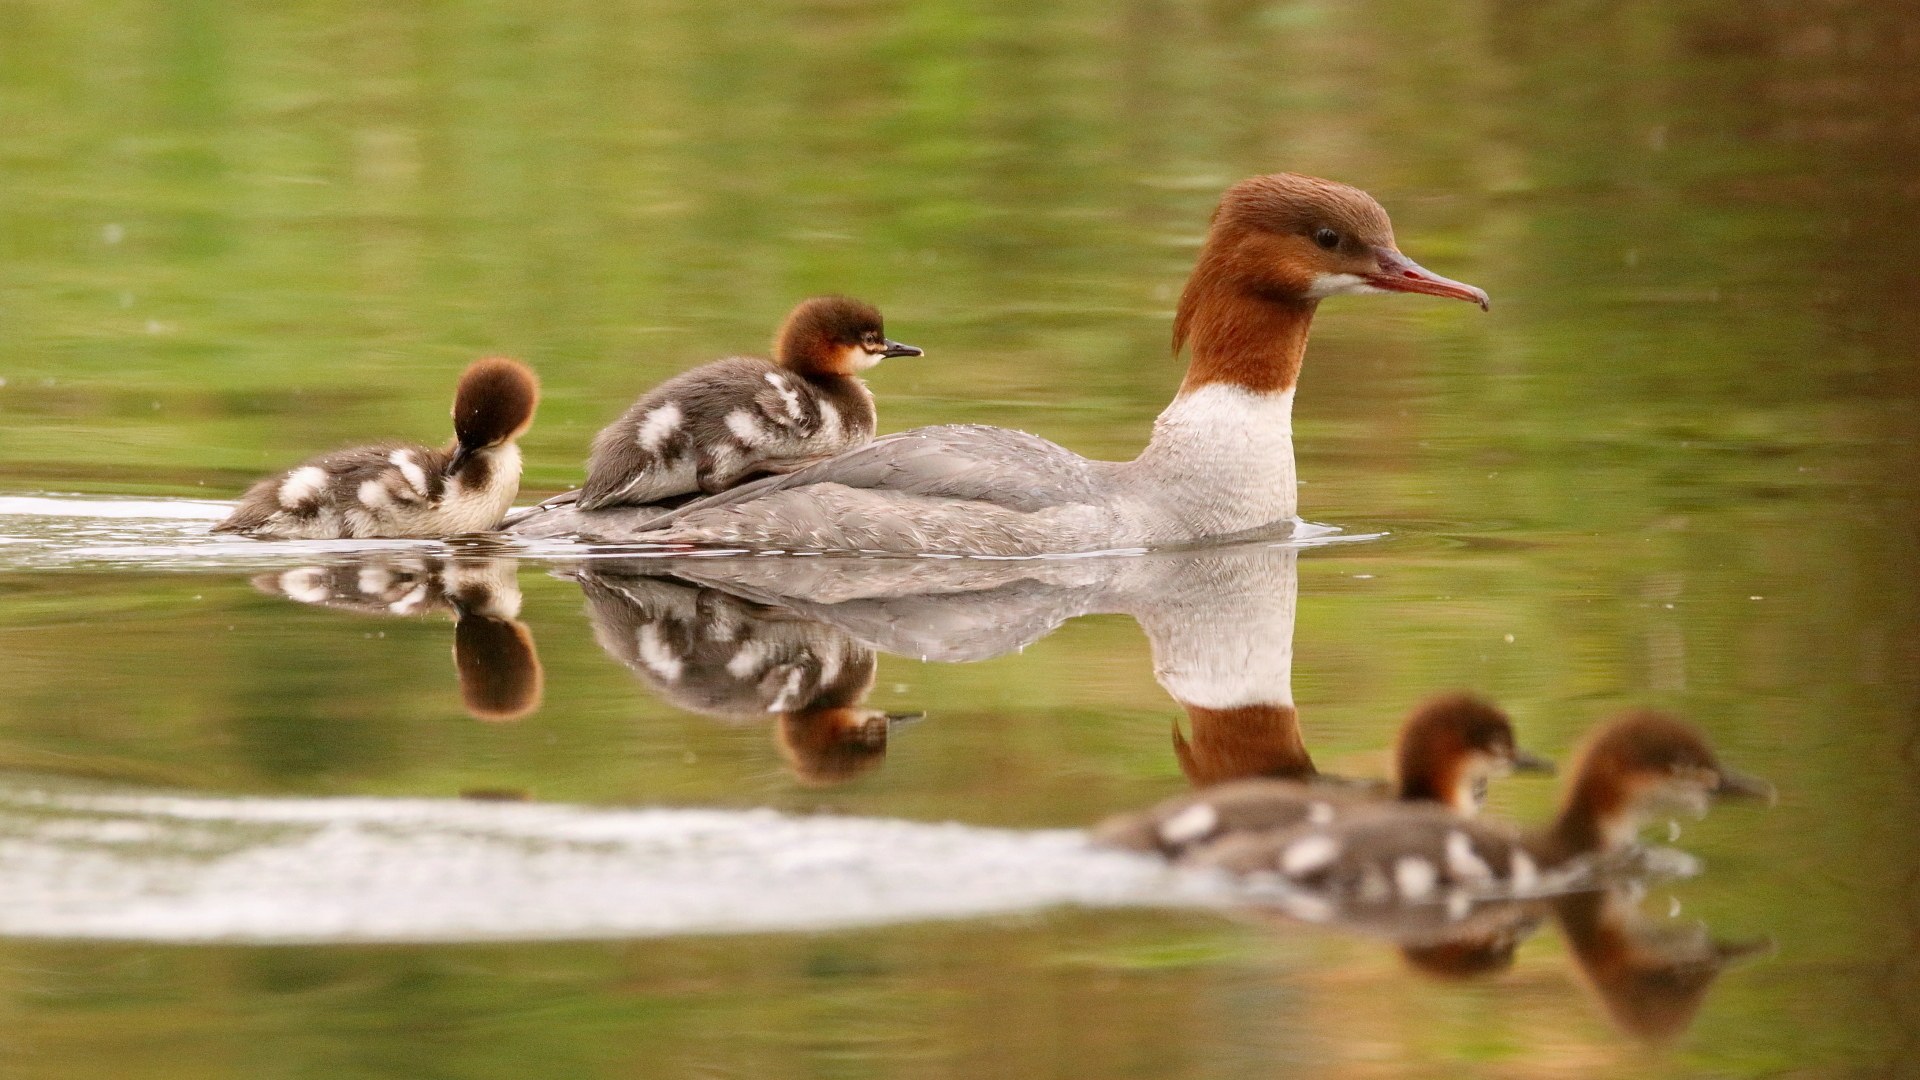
x,y
493,651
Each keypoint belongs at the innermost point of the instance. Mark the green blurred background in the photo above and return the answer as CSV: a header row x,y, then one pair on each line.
x,y
232,235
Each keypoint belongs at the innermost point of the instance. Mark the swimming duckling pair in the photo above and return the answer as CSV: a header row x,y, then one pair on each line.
x,y
1416,852
700,432
1448,749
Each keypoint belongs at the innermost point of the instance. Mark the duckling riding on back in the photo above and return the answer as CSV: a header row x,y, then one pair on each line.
x,y
708,429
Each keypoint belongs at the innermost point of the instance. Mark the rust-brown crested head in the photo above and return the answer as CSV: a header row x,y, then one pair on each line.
x,y
1293,240
834,335
494,403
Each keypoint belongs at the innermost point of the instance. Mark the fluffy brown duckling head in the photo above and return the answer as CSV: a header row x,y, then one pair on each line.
x,y
835,335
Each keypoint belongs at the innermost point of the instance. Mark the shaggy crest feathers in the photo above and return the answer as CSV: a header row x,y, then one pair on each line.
x,y
1276,246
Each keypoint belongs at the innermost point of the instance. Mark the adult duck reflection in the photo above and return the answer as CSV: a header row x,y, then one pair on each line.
x,y
720,655
1220,625
493,652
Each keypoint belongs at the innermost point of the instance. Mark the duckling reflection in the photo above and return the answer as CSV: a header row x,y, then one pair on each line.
x,y
493,652
710,652
1220,625
1651,978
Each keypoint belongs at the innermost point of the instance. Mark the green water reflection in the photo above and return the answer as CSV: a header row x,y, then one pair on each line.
x,y
1674,465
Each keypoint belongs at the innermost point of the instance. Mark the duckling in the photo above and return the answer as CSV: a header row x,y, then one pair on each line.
x,y
708,429
1448,748
1413,855
402,490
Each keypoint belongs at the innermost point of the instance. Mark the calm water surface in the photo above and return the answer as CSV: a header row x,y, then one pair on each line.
x,y
1674,466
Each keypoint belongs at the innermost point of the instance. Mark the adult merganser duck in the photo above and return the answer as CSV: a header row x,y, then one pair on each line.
x,y
1638,764
1448,748
723,422
402,490
1221,458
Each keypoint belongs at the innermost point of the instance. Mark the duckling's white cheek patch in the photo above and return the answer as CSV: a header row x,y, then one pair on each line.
x,y
301,485
860,359
1189,825
1325,285
658,427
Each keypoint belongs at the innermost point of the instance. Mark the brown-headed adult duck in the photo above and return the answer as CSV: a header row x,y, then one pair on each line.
x,y
1220,461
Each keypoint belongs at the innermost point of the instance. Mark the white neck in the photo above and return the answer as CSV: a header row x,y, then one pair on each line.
x,y
1221,626
1221,460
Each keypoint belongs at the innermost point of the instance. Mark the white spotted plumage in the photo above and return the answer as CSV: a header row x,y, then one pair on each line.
x,y
410,470
1307,854
1188,825
1414,876
659,426
657,654
301,485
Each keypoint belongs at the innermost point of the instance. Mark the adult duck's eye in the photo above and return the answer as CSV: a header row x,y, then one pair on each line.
x,y
1327,238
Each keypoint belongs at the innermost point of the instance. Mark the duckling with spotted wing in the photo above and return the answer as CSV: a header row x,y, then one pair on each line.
x,y
1448,748
402,490
1411,856
708,429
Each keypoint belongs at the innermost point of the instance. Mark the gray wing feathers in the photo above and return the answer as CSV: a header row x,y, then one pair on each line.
x,y
1006,468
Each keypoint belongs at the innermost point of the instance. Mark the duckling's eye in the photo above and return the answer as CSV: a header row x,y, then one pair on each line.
x,y
1327,238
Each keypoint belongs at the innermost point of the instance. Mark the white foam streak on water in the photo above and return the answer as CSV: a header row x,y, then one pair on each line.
x,y
89,864
176,509
49,532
